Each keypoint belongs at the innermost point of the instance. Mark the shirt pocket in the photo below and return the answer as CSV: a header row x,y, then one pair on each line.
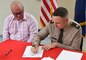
x,y
54,38
12,29
25,30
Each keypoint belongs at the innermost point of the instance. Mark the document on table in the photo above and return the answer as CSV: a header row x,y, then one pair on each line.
x,y
68,55
28,52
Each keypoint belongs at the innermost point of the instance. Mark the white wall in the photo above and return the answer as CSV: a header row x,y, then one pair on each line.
x,y
33,7
4,11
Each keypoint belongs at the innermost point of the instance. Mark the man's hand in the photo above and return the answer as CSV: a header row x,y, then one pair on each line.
x,y
34,49
50,46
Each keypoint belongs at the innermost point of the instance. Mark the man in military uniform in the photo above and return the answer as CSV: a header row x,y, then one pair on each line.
x,y
64,33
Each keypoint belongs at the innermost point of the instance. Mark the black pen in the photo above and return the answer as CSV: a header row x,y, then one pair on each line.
x,y
8,52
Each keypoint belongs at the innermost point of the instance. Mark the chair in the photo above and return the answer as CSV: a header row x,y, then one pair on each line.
x,y
81,46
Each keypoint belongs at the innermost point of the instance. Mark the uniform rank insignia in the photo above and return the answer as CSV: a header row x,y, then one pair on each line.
x,y
51,22
75,25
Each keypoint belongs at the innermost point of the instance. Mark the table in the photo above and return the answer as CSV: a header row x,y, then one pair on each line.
x,y
17,49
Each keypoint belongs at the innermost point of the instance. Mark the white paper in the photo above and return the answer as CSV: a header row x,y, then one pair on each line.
x,y
28,52
68,55
47,58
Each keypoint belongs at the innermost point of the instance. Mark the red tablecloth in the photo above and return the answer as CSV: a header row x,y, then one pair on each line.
x,y
18,48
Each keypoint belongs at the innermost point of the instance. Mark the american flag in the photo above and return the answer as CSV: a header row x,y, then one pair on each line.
x,y
47,8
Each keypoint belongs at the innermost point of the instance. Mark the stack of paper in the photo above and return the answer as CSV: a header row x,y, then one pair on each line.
x,y
68,55
28,52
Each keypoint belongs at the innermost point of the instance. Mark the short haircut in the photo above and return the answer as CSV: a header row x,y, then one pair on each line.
x,y
17,3
61,11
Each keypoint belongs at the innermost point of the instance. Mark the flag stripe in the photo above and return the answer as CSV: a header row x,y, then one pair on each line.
x,y
43,24
43,12
53,5
43,18
47,8
46,5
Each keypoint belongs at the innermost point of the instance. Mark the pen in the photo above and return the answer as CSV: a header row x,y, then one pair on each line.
x,y
8,52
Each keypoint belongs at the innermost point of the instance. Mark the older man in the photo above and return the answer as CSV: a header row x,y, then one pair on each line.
x,y
20,25
64,33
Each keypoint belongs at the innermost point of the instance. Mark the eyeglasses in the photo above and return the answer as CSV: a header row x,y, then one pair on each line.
x,y
18,13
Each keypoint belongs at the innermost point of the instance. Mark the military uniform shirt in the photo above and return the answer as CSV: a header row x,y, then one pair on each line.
x,y
71,35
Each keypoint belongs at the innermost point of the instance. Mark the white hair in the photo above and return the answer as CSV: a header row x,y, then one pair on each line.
x,y
20,5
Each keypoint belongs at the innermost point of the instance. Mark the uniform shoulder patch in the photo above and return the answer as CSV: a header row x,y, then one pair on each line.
x,y
51,22
75,25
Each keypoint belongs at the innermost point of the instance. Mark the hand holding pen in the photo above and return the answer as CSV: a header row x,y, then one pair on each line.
x,y
34,49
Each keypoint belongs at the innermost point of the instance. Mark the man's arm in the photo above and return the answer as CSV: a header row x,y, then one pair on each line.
x,y
40,36
33,28
6,34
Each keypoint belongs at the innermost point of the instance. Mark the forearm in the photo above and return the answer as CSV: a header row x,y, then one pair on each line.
x,y
5,37
6,34
66,46
36,40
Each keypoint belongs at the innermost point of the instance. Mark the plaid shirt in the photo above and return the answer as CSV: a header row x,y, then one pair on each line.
x,y
23,30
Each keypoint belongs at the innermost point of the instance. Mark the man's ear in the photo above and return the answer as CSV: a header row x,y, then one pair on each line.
x,y
66,19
